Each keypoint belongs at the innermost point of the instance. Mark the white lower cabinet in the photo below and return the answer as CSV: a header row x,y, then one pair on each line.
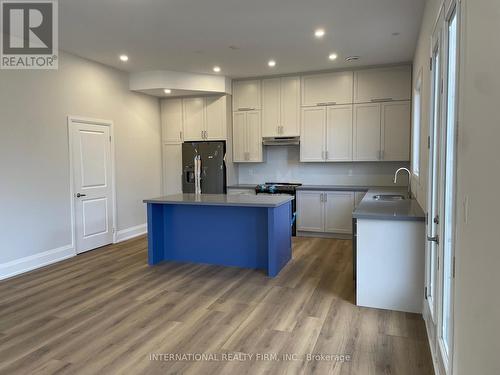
x,y
325,211
310,211
338,212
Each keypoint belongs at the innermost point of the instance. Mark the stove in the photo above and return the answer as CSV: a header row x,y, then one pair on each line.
x,y
286,188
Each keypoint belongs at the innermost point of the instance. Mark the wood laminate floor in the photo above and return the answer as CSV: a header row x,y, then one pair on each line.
x,y
107,312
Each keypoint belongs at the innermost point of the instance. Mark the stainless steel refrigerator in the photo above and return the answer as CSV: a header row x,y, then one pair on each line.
x,y
212,168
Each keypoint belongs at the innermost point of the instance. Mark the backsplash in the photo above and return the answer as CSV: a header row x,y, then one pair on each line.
x,y
281,164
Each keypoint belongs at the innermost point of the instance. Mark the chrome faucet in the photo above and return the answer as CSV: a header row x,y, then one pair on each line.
x,y
409,179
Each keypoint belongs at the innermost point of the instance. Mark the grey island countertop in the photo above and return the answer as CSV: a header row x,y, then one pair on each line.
x,y
407,209
223,200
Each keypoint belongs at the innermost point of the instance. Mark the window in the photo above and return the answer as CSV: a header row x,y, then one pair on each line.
x,y
417,109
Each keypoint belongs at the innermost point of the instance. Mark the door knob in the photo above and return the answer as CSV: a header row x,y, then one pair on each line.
x,y
78,195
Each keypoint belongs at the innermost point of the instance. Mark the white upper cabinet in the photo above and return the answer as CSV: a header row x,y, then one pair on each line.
x,y
338,133
239,136
338,212
204,118
385,84
247,137
367,145
171,120
396,131
312,138
327,89
194,118
254,136
246,95
290,107
271,107
280,107
216,112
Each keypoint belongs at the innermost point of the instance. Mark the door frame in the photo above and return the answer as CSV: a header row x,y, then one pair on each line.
x,y
71,120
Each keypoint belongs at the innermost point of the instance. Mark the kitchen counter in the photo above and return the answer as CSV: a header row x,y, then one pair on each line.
x,y
229,230
335,187
270,201
242,186
407,209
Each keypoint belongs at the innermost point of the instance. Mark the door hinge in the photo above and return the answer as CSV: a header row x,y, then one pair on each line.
x,y
425,292
453,268
430,63
429,142
110,138
426,218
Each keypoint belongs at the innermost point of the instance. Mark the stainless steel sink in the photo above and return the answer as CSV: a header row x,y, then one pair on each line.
x,y
389,197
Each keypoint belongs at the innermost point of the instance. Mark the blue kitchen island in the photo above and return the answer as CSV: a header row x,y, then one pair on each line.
x,y
249,231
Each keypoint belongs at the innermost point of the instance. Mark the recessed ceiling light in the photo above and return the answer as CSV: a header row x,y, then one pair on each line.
x,y
271,63
332,56
319,33
216,69
167,91
123,58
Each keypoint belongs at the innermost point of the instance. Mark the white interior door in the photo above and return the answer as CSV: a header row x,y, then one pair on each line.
x,y
92,184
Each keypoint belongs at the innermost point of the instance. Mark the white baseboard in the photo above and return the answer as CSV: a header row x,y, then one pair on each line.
x,y
129,233
35,261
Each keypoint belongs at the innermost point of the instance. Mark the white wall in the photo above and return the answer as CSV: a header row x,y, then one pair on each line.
x,y
34,164
477,307
477,301
281,164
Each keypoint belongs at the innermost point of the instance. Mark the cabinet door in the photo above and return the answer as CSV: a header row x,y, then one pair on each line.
x,y
338,212
396,131
271,107
194,117
171,120
246,95
330,88
239,136
215,123
367,132
290,107
339,133
312,138
254,136
172,168
310,211
382,84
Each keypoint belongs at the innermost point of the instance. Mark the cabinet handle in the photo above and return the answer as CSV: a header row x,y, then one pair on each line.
x,y
326,155
378,100
180,135
206,134
245,109
325,104
326,198
321,197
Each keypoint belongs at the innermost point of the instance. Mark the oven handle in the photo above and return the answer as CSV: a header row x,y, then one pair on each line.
x,y
294,217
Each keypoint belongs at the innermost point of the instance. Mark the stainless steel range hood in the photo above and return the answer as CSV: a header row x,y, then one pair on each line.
x,y
280,141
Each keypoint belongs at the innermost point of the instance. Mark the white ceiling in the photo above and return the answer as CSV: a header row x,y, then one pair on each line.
x,y
195,35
